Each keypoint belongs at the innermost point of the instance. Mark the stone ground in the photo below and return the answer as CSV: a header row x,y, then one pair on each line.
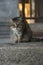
x,y
21,54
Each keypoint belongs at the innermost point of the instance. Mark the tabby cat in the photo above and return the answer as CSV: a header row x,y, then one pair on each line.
x,y
21,30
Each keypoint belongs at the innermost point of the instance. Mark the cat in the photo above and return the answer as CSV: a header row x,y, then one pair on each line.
x,y
21,30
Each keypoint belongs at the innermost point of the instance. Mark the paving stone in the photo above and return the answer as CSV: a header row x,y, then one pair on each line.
x,y
21,55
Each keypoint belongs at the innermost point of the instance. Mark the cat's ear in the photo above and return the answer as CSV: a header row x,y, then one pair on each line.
x,y
11,20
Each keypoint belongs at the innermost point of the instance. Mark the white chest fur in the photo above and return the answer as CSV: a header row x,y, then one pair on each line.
x,y
15,34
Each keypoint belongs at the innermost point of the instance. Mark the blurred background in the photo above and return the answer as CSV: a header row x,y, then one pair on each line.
x,y
23,18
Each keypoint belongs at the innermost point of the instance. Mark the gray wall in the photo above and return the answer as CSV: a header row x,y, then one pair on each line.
x,y
9,8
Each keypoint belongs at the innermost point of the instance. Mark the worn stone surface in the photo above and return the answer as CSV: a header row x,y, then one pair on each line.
x,y
37,30
21,54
